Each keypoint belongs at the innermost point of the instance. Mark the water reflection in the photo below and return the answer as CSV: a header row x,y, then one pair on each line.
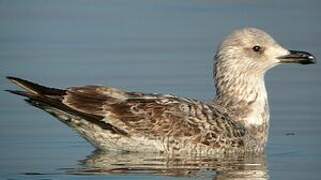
x,y
249,166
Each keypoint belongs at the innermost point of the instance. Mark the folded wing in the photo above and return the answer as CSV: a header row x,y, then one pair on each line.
x,y
137,115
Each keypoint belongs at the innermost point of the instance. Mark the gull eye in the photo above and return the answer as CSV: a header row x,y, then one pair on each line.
x,y
256,48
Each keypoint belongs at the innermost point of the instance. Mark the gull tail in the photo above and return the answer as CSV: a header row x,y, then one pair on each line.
x,y
51,101
33,89
42,97
47,98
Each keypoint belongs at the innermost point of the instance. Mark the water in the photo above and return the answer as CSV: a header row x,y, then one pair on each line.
x,y
159,46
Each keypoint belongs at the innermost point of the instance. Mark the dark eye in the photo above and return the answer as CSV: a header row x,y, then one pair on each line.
x,y
256,48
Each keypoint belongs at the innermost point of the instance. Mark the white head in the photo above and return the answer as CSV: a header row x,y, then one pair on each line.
x,y
253,51
241,62
243,58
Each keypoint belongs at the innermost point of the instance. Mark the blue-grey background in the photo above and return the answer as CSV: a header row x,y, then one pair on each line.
x,y
150,46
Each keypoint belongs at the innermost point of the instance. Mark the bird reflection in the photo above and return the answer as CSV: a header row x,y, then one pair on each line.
x,y
233,166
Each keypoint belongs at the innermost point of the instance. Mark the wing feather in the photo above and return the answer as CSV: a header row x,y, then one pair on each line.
x,y
157,116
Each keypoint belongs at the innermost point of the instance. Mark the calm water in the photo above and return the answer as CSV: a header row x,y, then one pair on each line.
x,y
152,46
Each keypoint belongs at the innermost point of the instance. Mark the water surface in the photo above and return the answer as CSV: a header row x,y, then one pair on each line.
x,y
151,46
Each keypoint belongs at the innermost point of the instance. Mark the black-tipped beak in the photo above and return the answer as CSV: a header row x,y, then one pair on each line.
x,y
300,57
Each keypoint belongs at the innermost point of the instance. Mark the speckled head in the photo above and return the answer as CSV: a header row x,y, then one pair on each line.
x,y
241,62
253,51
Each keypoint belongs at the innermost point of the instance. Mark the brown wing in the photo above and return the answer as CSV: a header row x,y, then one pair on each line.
x,y
147,114
136,114
153,115
179,119
93,99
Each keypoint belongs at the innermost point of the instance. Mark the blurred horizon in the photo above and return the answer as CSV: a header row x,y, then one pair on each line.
x,y
150,46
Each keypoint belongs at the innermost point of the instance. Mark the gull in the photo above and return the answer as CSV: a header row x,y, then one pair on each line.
x,y
237,120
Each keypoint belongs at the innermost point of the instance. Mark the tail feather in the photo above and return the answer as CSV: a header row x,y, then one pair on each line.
x,y
34,88
40,94
20,93
41,97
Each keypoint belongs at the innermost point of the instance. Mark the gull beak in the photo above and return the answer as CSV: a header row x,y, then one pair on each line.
x,y
300,57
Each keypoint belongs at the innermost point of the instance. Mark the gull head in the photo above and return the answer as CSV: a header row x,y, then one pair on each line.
x,y
253,51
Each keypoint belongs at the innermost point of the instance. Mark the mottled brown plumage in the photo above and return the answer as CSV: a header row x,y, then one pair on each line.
x,y
237,121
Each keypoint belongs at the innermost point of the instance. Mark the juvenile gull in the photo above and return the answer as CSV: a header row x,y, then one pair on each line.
x,y
236,121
